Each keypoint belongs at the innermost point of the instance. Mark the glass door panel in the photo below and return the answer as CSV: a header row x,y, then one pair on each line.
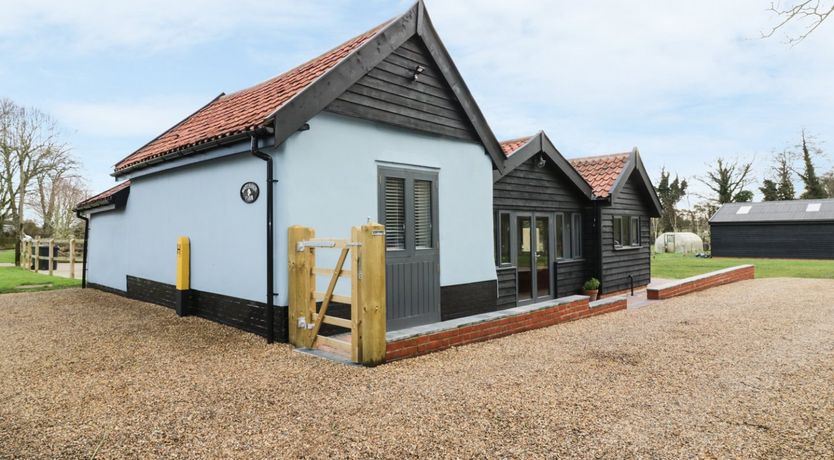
x,y
524,246
542,256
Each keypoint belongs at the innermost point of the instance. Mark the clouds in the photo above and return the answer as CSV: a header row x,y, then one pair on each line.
x,y
135,118
146,26
684,81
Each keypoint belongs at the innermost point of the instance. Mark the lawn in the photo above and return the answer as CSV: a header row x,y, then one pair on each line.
x,y
6,256
676,266
12,278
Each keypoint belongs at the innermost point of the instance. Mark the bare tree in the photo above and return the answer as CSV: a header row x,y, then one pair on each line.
x,y
727,180
56,198
47,189
809,13
7,157
828,183
31,147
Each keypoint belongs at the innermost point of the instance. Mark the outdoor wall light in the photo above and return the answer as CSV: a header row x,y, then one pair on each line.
x,y
541,162
418,71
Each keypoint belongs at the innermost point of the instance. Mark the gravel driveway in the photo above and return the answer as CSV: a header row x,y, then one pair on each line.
x,y
745,370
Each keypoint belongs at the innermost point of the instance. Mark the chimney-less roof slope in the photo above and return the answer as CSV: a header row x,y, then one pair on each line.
x,y
511,146
244,110
103,198
602,171
775,211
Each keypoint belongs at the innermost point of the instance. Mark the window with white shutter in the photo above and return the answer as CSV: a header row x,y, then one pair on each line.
x,y
423,214
394,213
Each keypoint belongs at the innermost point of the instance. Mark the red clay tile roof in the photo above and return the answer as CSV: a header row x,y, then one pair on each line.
x,y
509,147
103,197
601,172
246,109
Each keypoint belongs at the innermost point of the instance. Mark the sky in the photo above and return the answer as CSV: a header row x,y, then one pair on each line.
x,y
685,82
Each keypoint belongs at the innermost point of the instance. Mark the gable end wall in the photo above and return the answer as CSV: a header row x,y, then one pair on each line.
x,y
617,265
389,94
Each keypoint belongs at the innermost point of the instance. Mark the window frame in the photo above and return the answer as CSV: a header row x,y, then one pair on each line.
x,y
626,232
572,240
576,236
499,244
565,229
409,176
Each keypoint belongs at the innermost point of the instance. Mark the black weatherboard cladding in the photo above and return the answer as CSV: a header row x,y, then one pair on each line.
x,y
242,314
507,295
467,299
530,188
389,93
794,240
618,264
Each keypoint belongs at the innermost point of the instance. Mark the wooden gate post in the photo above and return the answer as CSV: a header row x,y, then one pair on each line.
x,y
37,253
25,262
371,295
72,258
302,284
51,254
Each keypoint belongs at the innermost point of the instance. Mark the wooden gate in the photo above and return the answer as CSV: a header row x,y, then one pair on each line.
x,y
308,306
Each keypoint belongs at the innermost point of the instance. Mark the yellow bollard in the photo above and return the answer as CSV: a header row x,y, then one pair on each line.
x,y
183,275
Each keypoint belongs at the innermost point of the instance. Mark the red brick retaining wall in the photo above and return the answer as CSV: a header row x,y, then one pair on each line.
x,y
622,292
514,320
701,282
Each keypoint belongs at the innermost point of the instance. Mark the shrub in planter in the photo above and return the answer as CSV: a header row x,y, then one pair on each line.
x,y
591,289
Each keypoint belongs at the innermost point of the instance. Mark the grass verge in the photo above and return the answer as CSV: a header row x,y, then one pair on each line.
x,y
677,266
6,256
15,279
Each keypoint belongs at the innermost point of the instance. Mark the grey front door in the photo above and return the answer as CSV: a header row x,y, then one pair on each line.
x,y
531,237
408,210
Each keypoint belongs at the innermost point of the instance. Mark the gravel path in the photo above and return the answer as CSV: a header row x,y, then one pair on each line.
x,y
745,370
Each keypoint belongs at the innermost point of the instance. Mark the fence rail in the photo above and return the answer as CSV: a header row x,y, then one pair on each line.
x,y
69,251
365,251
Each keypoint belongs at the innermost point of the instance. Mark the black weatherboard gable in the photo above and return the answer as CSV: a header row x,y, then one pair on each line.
x,y
336,81
540,143
636,164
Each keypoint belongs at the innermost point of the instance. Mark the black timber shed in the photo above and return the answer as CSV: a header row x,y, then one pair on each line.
x,y
799,229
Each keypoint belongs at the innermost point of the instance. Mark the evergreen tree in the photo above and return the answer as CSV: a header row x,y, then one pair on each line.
x,y
813,186
744,196
784,176
769,190
669,194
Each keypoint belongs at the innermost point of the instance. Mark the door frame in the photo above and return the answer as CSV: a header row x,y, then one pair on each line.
x,y
409,175
551,250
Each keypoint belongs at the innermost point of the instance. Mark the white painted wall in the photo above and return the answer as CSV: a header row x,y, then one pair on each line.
x,y
106,265
202,201
327,180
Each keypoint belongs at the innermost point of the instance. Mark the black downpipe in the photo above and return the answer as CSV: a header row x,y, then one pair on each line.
x,y
270,262
631,283
599,245
84,256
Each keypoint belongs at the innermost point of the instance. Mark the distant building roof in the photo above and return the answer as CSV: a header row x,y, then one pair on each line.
x,y
776,211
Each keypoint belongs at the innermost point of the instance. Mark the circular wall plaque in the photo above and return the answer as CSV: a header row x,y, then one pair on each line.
x,y
249,192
